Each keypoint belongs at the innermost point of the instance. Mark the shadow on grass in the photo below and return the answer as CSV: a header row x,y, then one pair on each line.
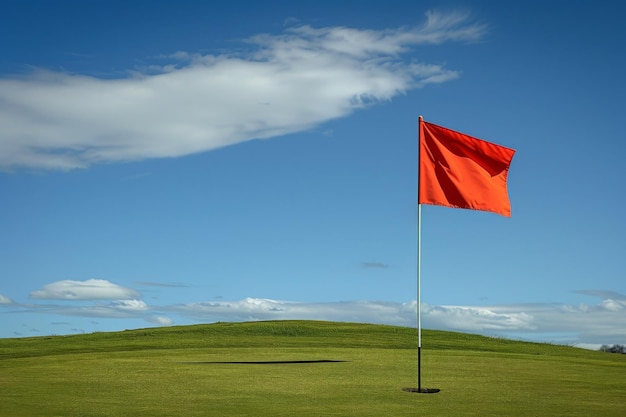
x,y
422,390
261,362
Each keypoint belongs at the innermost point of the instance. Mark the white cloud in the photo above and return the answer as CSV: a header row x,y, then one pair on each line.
x,y
462,318
114,309
286,83
129,305
91,289
589,346
613,305
162,320
582,325
101,311
5,300
559,323
604,294
477,319
265,309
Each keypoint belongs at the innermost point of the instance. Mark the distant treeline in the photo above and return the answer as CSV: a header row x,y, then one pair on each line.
x,y
613,348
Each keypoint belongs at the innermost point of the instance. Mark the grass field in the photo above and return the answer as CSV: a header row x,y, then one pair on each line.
x,y
302,368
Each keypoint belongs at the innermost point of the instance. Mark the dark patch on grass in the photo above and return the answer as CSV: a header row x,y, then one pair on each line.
x,y
422,390
261,362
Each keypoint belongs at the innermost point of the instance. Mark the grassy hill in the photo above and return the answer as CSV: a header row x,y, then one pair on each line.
x,y
302,368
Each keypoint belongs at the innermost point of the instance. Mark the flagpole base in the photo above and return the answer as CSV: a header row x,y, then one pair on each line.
x,y
422,390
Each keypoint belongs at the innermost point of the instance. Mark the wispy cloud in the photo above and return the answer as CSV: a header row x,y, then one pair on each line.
x,y
5,300
603,294
122,309
478,319
266,309
160,320
285,83
83,308
91,289
583,324
129,305
600,323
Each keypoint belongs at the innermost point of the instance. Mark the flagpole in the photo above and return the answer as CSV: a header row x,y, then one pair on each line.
x,y
419,296
419,388
419,266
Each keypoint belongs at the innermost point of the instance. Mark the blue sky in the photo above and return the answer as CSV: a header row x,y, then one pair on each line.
x,y
190,162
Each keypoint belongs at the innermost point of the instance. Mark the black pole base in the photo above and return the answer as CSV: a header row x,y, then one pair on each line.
x,y
422,390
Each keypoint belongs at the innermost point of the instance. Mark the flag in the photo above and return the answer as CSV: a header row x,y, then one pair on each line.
x,y
460,171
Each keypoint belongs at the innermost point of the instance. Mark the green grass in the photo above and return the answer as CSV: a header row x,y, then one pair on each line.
x,y
184,371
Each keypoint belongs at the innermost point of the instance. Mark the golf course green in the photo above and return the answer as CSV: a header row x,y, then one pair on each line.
x,y
302,368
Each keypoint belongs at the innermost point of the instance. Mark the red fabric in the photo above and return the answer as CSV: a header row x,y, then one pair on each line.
x,y
460,171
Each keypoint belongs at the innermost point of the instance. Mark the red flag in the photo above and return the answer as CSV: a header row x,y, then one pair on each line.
x,y
460,171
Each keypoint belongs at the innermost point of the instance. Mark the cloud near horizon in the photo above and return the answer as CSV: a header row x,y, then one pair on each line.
x,y
5,300
600,323
91,289
285,83
584,324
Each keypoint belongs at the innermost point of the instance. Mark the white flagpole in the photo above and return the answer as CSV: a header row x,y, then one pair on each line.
x,y
419,302
419,281
419,267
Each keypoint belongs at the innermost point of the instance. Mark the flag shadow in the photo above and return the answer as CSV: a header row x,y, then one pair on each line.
x,y
261,362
